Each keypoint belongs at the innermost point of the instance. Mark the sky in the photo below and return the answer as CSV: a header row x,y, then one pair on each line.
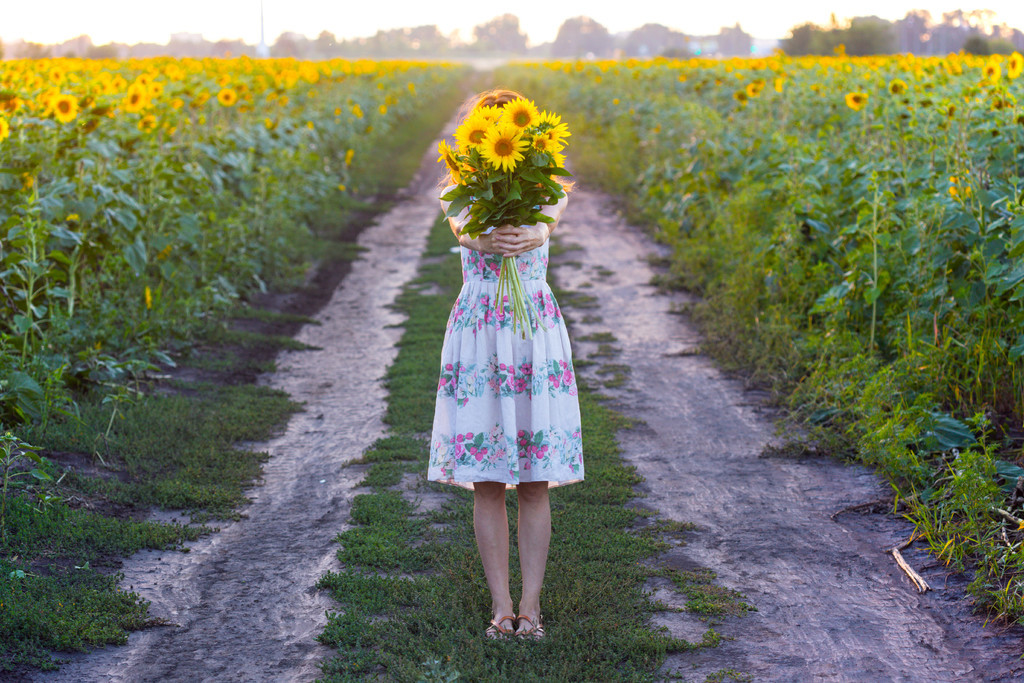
x,y
132,21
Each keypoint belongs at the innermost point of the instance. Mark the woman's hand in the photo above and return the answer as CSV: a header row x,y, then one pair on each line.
x,y
513,240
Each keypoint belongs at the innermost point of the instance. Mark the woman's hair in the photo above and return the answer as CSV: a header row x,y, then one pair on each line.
x,y
498,97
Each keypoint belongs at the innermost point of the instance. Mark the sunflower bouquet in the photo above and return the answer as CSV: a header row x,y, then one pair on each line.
x,y
502,167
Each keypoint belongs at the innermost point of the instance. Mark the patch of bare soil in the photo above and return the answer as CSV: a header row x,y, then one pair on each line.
x,y
241,604
831,604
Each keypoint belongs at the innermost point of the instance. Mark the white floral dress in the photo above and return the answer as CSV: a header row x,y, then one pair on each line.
x,y
507,408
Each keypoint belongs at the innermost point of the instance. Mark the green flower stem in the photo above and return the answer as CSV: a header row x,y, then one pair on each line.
x,y
510,284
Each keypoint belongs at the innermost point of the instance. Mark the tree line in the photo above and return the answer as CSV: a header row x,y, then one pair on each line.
x,y
577,37
975,32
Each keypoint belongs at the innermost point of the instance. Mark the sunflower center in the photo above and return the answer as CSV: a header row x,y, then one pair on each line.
x,y
503,148
64,106
521,119
476,137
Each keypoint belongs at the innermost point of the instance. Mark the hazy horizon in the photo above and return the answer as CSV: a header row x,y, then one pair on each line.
x,y
121,21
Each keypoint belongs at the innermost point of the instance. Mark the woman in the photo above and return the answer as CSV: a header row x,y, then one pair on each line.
x,y
507,413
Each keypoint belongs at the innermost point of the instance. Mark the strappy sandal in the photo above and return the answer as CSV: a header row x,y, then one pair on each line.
x,y
496,630
536,631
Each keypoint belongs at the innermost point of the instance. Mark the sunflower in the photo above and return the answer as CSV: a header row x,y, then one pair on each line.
x,y
227,97
448,157
5,129
856,100
556,130
1014,66
472,131
544,143
65,108
503,146
136,98
754,88
147,123
488,111
897,86
741,97
521,113
993,71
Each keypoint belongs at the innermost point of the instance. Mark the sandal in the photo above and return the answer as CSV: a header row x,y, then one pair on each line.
x,y
496,630
536,631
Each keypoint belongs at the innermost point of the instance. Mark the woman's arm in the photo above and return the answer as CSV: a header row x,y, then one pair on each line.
x,y
514,240
484,243
508,240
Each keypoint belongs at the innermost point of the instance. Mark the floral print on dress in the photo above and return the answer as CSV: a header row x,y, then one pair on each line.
x,y
551,449
474,311
463,381
476,265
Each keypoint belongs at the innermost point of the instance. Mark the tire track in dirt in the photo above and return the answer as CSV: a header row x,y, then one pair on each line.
x,y
831,605
243,599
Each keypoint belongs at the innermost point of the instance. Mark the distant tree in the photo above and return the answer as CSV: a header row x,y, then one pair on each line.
x,y
36,51
108,51
912,32
290,44
734,41
325,45
581,37
500,34
977,44
651,40
998,45
868,36
805,39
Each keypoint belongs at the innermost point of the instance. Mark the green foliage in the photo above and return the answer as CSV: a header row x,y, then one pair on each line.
x,y
864,263
118,238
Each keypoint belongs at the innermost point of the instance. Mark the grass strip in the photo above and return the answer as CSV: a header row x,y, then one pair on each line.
x,y
413,594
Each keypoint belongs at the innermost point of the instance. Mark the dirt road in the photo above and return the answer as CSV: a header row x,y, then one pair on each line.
x,y
831,606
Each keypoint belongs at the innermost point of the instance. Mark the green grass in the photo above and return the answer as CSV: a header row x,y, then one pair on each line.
x,y
413,598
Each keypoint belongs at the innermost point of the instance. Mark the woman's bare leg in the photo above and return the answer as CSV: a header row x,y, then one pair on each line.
x,y
534,538
490,522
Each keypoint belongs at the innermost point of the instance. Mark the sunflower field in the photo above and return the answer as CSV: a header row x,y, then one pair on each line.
x,y
136,197
855,227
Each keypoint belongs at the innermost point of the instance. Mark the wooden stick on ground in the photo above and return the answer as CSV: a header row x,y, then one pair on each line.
x,y
860,506
915,578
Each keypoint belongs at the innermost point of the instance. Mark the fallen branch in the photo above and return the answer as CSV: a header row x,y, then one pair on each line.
x,y
859,506
901,546
1010,518
915,578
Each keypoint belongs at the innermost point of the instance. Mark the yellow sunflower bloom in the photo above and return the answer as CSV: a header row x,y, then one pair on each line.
x,y
521,113
227,97
1014,66
754,88
472,131
448,157
993,71
503,146
147,123
856,100
489,112
136,98
5,129
897,86
65,108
